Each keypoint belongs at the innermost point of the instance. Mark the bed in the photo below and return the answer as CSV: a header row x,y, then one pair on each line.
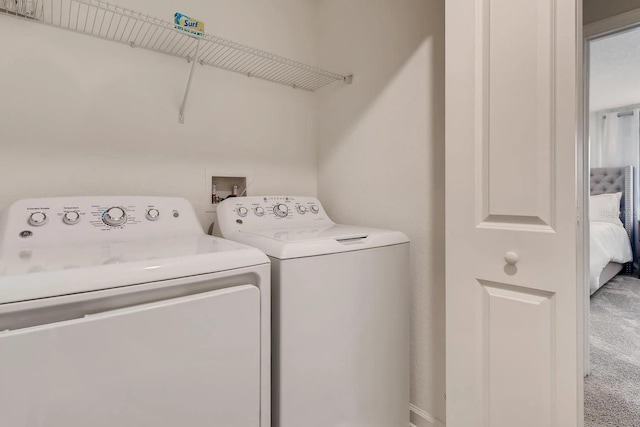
x,y
611,241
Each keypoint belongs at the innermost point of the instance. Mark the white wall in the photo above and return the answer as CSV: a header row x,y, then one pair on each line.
x,y
85,116
595,10
381,153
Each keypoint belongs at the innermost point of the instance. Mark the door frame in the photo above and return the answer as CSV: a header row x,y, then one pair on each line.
x,y
611,25
593,31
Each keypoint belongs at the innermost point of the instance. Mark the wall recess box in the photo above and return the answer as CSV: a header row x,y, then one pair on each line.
x,y
224,186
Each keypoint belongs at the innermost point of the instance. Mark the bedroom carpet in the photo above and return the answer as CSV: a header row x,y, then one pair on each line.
x,y
612,390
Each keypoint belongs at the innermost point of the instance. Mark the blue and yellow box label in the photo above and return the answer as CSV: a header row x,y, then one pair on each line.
x,y
189,25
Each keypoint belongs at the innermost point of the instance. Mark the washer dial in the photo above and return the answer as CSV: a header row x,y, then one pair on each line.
x,y
301,209
114,216
259,211
153,214
242,211
315,209
37,219
281,210
71,218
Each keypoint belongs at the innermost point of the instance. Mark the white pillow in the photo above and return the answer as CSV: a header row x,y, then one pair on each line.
x,y
605,208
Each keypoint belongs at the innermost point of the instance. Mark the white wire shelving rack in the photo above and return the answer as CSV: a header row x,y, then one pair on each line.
x,y
110,22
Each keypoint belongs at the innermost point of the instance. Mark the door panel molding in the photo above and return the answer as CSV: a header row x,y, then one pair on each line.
x,y
516,192
518,346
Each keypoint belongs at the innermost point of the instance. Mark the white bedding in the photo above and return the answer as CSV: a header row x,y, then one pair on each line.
x,y
609,243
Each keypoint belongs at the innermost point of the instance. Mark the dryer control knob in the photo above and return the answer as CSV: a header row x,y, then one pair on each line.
x,y
314,209
242,211
153,214
37,219
114,216
71,218
281,210
259,211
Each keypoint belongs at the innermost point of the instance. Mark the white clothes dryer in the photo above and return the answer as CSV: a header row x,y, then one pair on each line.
x,y
121,311
340,310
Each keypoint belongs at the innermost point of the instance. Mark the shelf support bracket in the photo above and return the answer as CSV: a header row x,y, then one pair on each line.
x,y
194,61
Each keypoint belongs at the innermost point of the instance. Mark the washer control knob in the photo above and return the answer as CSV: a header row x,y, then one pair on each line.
x,y
281,210
114,216
71,218
37,219
242,211
259,211
153,214
301,209
315,209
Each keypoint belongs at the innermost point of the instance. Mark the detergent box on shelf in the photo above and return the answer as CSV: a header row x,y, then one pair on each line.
x,y
188,25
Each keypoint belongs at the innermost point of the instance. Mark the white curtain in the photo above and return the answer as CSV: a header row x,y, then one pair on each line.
x,y
617,142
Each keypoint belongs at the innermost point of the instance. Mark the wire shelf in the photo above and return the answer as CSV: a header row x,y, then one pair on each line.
x,y
110,22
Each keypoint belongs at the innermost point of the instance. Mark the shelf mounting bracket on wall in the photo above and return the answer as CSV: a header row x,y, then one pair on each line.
x,y
194,61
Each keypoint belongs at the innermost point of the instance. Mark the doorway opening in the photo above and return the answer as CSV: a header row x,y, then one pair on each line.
x,y
612,156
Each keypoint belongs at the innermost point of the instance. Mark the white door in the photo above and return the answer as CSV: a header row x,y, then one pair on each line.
x,y
513,348
189,361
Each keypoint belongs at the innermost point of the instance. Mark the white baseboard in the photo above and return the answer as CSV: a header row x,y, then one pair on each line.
x,y
420,418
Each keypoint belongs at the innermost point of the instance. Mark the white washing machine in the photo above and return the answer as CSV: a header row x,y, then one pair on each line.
x,y
121,311
340,313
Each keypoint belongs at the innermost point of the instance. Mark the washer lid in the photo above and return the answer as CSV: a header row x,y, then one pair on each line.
x,y
305,234
46,271
304,241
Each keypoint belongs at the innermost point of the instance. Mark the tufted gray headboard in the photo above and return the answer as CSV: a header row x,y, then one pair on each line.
x,y
616,180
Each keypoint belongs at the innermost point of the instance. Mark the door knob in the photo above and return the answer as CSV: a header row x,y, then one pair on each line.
x,y
511,258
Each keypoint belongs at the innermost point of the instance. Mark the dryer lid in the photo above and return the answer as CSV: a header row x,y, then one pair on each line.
x,y
57,246
41,271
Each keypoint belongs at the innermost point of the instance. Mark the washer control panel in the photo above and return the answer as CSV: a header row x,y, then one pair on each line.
x,y
239,213
85,219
